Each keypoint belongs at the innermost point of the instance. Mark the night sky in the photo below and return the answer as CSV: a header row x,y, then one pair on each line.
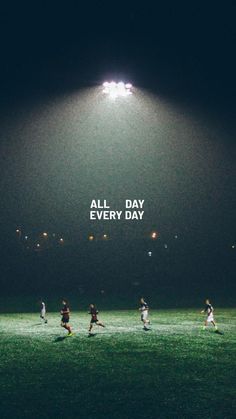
x,y
172,143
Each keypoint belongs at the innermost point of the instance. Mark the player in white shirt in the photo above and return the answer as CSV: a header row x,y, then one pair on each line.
x,y
144,313
43,311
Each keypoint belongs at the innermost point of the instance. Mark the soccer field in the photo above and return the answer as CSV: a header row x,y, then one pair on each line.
x,y
176,370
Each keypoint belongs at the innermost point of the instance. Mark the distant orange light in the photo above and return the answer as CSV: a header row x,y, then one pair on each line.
x,y
91,237
45,234
61,240
154,235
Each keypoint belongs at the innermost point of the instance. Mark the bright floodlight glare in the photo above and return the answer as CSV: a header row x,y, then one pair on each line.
x,y
114,89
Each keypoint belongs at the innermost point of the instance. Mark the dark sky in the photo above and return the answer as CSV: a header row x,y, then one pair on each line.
x,y
169,45
173,144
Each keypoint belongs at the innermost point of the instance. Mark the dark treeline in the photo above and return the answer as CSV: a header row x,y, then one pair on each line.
x,y
177,274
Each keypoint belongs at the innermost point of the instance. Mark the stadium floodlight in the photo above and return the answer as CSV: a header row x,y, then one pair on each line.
x,y
115,90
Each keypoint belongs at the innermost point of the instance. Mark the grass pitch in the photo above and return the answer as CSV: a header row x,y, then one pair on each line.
x,y
176,370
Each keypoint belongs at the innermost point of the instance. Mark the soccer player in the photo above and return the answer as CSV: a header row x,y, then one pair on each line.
x,y
94,319
65,312
43,311
209,311
144,313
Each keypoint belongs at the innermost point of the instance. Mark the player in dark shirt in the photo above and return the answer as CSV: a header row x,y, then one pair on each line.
x,y
65,312
94,319
210,317
144,313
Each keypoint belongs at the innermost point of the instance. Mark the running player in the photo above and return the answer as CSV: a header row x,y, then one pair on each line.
x,y
94,319
65,312
209,311
43,311
144,313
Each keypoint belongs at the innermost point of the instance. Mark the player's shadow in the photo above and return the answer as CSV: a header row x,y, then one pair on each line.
x,y
218,332
91,335
60,339
37,324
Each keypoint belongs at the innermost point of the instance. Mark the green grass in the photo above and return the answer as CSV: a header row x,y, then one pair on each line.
x,y
176,370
